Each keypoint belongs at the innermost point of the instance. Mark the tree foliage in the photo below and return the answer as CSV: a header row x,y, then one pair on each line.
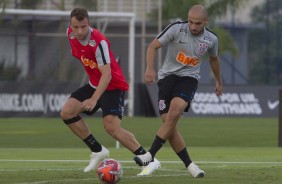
x,y
3,6
10,72
29,4
177,9
90,5
219,8
265,44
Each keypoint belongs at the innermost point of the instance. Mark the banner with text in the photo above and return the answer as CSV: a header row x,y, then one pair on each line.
x,y
260,101
33,99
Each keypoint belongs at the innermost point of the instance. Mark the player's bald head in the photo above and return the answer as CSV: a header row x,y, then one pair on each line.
x,y
197,19
198,11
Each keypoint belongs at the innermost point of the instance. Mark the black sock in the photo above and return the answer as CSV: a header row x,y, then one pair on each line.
x,y
140,151
93,144
156,146
184,156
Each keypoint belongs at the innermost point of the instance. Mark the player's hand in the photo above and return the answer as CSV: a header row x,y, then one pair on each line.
x,y
150,76
89,104
218,89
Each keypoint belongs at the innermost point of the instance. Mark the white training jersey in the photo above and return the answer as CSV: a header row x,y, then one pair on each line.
x,y
185,52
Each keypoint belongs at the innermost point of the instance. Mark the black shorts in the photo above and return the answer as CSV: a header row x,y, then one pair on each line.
x,y
111,102
174,86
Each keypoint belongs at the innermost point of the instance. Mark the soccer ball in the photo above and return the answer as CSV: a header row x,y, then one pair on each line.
x,y
109,171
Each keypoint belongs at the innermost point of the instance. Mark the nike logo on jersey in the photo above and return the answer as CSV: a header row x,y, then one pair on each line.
x,y
187,60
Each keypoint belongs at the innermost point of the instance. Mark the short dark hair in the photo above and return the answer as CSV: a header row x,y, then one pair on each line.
x,y
79,14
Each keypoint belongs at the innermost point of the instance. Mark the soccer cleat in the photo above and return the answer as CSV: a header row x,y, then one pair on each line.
x,y
195,171
143,160
150,168
95,158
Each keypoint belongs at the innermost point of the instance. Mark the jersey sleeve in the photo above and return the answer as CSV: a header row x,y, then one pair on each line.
x,y
102,53
168,34
213,51
67,32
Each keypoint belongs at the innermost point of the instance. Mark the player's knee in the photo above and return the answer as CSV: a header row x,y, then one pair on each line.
x,y
69,118
112,125
64,114
67,113
175,112
111,130
72,120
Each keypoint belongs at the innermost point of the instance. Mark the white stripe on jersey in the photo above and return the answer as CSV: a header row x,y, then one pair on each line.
x,y
102,53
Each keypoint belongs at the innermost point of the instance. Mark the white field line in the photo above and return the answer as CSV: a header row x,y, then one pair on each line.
x,y
80,169
172,172
128,161
96,179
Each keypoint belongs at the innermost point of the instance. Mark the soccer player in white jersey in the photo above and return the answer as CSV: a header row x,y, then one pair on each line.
x,y
187,44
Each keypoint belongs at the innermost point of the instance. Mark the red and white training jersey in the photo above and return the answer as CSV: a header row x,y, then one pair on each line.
x,y
94,54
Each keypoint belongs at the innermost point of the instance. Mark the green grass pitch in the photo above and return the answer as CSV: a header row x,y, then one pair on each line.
x,y
229,150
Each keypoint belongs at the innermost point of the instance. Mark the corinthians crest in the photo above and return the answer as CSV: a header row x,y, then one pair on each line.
x,y
92,43
202,49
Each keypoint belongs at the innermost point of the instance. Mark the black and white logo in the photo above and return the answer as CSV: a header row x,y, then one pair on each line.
x,y
72,36
92,43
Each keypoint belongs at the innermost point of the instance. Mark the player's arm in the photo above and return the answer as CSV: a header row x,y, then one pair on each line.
x,y
150,73
166,36
105,79
215,66
103,59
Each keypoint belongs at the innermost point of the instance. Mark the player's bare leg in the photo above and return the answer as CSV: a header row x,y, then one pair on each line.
x,y
177,106
70,114
178,144
169,131
72,108
127,139
176,109
113,128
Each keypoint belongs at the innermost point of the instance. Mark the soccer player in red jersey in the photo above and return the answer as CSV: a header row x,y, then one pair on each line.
x,y
105,90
